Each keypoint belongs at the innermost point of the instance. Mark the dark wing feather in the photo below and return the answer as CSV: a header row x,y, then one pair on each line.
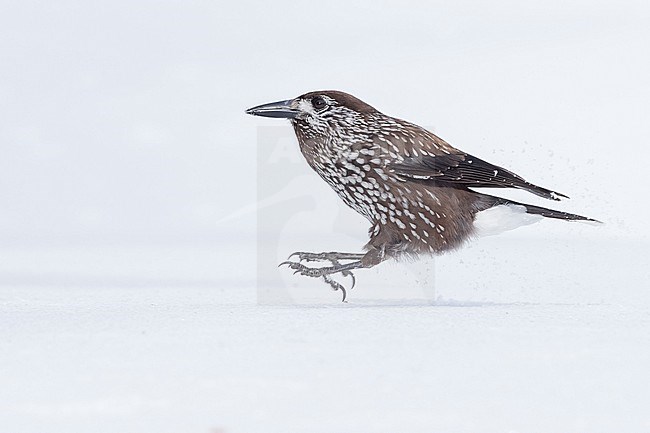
x,y
463,170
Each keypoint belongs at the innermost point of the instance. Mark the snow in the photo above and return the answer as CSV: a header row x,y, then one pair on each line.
x,y
131,338
143,215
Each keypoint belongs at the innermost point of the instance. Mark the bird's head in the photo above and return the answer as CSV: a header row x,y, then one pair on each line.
x,y
320,112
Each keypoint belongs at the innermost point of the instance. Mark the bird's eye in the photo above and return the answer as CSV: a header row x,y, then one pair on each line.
x,y
318,102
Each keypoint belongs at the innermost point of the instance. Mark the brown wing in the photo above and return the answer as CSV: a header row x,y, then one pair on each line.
x,y
463,170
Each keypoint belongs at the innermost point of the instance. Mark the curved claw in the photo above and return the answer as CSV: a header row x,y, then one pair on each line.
x,y
301,256
354,280
335,285
286,262
351,275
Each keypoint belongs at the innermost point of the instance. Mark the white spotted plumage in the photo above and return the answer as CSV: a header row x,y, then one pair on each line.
x,y
412,186
356,148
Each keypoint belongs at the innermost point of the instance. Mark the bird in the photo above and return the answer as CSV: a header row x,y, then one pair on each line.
x,y
416,190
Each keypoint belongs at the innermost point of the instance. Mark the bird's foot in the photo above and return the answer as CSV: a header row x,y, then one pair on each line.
x,y
325,272
333,257
329,256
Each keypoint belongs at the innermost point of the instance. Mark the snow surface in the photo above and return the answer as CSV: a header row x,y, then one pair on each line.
x,y
159,339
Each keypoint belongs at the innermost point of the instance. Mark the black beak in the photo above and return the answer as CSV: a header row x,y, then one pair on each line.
x,y
281,109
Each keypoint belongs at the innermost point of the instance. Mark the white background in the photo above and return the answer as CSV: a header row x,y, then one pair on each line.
x,y
128,187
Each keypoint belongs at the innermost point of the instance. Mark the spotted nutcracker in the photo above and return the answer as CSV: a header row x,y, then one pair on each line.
x,y
413,187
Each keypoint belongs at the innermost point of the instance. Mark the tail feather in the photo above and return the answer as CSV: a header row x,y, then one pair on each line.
x,y
495,215
545,212
542,192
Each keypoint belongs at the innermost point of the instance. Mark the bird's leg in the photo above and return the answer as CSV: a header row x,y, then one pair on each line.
x,y
336,285
330,256
345,274
360,260
333,257
326,272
